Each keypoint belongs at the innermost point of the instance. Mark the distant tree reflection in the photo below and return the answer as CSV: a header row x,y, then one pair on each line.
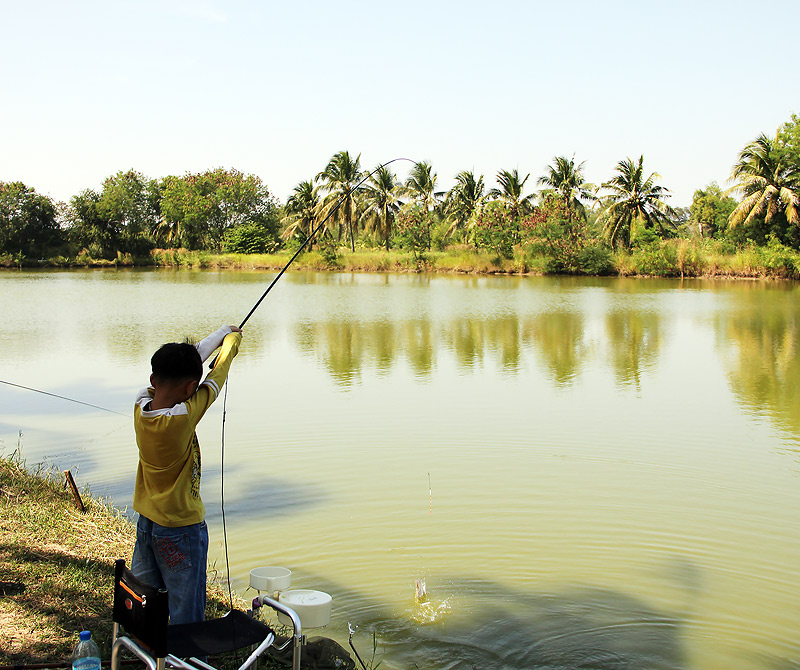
x,y
763,364
560,339
634,338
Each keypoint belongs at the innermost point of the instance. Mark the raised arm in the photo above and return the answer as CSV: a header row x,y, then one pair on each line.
x,y
207,345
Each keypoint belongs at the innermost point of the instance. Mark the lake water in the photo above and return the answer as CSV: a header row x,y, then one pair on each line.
x,y
588,473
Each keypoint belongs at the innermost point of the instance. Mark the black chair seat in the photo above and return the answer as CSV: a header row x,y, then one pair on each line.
x,y
218,636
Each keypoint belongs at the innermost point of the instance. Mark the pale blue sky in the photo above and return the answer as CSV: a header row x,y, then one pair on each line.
x,y
274,89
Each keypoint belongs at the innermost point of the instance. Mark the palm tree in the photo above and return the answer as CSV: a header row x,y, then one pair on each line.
x,y
167,233
301,210
465,198
510,192
420,186
770,184
382,203
566,181
633,199
340,179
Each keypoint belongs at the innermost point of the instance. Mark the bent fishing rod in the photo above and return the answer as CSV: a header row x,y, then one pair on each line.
x,y
310,237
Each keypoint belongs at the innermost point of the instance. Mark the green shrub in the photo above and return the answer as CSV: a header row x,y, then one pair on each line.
x,y
414,232
594,259
779,260
251,237
658,259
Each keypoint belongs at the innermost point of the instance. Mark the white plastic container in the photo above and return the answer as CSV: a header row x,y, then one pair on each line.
x,y
270,579
313,607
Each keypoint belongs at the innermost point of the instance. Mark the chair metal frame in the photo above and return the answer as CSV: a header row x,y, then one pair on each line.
x,y
143,612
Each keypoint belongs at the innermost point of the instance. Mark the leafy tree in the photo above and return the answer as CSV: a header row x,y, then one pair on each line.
x,y
565,179
414,231
130,205
250,237
200,208
27,221
496,229
464,200
510,193
300,213
710,210
120,217
340,178
633,201
789,141
420,187
770,185
559,233
381,200
90,229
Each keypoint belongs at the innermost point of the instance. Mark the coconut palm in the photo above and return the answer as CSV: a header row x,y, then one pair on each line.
x,y
339,179
167,233
465,198
301,211
769,183
565,180
420,186
381,200
633,199
510,192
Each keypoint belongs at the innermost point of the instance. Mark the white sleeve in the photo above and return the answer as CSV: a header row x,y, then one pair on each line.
x,y
144,394
207,345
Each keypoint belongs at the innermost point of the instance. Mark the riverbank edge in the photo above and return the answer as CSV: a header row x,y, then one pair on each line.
x,y
667,259
57,565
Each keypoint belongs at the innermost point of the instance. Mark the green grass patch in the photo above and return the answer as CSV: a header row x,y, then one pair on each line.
x,y
57,566
655,258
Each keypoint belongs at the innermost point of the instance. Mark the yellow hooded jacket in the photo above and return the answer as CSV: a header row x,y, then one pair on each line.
x,y
168,478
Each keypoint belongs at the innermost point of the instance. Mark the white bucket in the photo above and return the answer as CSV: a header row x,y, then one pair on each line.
x,y
270,579
313,607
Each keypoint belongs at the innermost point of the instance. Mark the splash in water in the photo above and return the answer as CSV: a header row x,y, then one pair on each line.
x,y
425,609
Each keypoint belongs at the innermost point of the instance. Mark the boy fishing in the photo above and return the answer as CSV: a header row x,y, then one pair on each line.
x,y
171,535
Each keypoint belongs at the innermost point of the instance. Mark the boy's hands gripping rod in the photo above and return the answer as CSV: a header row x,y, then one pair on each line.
x,y
307,240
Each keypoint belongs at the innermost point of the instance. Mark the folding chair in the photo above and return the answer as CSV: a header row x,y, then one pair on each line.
x,y
143,612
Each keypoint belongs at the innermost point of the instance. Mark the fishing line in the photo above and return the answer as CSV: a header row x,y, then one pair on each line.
x,y
62,397
241,325
430,495
222,494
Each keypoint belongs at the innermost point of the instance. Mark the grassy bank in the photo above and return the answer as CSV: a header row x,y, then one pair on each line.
x,y
57,566
662,258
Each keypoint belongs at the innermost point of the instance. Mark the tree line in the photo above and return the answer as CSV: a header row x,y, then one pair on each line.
x,y
560,214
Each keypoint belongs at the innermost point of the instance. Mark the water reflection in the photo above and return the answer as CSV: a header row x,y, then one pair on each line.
x,y
346,346
466,338
417,342
763,364
634,338
560,339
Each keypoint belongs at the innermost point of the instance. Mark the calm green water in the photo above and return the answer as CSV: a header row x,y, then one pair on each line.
x,y
587,473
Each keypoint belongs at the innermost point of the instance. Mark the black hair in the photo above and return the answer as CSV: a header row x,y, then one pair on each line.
x,y
177,361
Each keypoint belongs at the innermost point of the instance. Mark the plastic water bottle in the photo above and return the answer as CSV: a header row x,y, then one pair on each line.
x,y
86,655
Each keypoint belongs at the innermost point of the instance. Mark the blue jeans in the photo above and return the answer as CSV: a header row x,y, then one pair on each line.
x,y
174,559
